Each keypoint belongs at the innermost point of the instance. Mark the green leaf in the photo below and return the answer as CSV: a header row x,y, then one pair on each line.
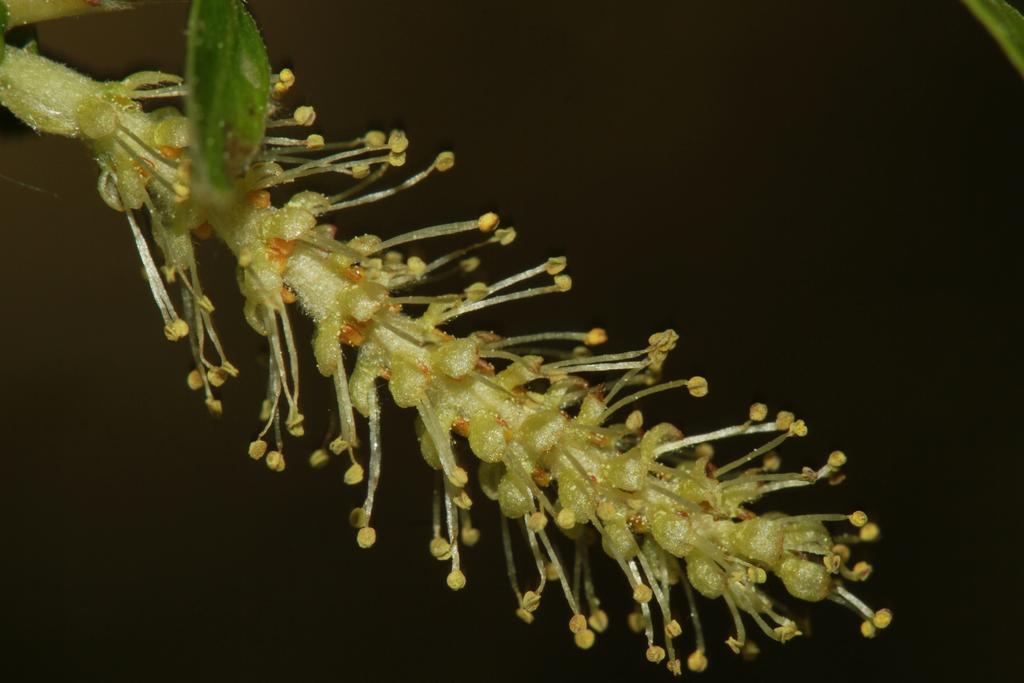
x,y
1005,24
3,27
228,75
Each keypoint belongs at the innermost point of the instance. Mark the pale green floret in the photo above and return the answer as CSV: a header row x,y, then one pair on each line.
x,y
542,430
456,358
487,437
758,540
704,575
618,541
514,497
628,471
490,475
656,436
805,579
673,533
575,492
427,448
408,382
171,129
806,535
363,301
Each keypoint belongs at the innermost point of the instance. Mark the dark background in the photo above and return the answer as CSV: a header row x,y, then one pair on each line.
x,y
820,196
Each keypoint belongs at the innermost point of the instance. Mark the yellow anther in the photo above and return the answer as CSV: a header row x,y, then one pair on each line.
x,y
531,601
304,116
505,236
655,653
319,458
375,138
697,661
176,329
555,265
415,265
882,618
832,563
758,412
870,532
784,419
181,192
598,621
440,549
566,518
275,461
315,141
357,518
697,386
396,160
257,449
842,550
459,477
445,161
577,623
836,459
563,283
524,615
596,337
294,424
584,639
786,632
636,622
488,222
867,629
215,407
734,645
862,570
675,667
772,462
462,500
634,421
756,575
366,537
354,474
360,171
798,428
195,380
858,518
398,142
216,376
286,77
536,521
456,580
338,446
469,535
642,593
205,303
673,629
605,510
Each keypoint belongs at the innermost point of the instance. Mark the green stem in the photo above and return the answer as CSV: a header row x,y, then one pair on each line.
x,y
32,11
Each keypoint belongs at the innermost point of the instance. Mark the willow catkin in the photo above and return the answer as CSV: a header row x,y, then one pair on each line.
x,y
549,428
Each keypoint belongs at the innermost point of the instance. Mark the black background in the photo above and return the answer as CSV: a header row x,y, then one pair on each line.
x,y
820,196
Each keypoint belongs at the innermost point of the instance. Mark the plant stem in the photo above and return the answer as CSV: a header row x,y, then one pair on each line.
x,y
32,11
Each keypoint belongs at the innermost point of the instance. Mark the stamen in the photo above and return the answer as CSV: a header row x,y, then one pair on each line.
x,y
438,165
665,386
